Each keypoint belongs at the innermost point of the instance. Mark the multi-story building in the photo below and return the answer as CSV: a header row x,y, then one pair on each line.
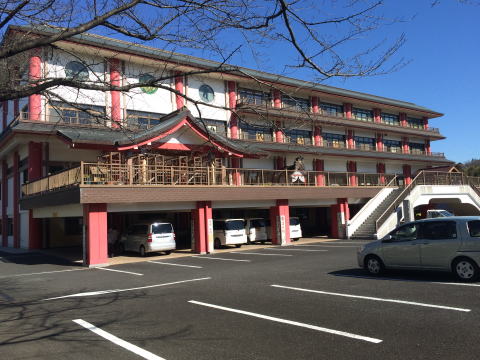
x,y
208,140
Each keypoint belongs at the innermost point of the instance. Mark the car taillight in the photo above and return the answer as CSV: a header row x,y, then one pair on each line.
x,y
149,238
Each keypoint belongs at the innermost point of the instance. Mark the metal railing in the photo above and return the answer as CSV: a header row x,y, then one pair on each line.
x,y
95,174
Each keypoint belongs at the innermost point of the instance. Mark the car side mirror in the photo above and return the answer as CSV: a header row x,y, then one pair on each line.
x,y
387,238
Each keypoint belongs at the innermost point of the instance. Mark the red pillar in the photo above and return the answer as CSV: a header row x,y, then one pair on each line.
x,y
115,80
407,174
34,74
15,205
428,150
377,115
280,222
277,99
350,140
352,176
379,142
317,136
4,204
232,102
405,146
34,173
179,88
403,119
203,227
425,122
381,171
318,165
237,179
347,108
5,114
280,163
340,214
314,101
96,246
334,210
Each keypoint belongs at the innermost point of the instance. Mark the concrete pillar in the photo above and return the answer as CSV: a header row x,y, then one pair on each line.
x,y
425,122
340,214
352,176
350,139
203,227
16,196
115,80
381,171
405,145
348,108
232,102
428,150
377,115
277,99
95,235
35,151
318,165
317,136
407,174
379,142
277,103
179,87
280,223
237,178
4,204
314,101
34,74
403,119
280,163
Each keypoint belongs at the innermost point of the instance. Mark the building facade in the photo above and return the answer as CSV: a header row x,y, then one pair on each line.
x,y
204,141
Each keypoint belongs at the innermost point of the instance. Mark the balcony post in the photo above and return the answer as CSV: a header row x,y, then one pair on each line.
x,y
115,80
377,115
179,100
35,74
381,171
425,122
319,175
232,102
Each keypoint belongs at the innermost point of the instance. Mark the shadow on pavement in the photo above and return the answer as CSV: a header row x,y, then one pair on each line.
x,y
398,275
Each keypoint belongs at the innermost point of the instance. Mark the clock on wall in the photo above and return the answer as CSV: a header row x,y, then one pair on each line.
x,y
147,89
206,93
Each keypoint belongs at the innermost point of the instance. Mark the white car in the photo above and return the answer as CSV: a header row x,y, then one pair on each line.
x,y
258,229
229,232
149,237
295,228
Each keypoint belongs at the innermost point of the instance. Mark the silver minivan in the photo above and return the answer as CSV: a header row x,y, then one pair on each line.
x,y
149,237
444,244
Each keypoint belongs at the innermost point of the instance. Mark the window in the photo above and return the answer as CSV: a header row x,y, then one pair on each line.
x,y
362,114
297,136
414,123
73,226
255,132
439,230
145,78
142,119
474,228
332,109
390,119
296,104
76,70
364,143
80,114
257,223
254,97
416,148
162,228
392,145
405,233
206,93
216,126
334,140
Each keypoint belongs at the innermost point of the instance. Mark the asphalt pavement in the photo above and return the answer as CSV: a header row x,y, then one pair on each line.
x,y
295,302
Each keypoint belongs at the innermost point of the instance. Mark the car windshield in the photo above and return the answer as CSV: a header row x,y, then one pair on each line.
x,y
162,229
294,221
258,223
445,213
234,225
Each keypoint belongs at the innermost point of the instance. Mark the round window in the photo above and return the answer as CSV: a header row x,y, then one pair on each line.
x,y
76,70
146,78
206,93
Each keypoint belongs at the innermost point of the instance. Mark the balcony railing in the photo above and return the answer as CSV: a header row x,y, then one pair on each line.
x,y
99,174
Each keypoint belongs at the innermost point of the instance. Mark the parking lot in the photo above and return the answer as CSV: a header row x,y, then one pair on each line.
x,y
304,301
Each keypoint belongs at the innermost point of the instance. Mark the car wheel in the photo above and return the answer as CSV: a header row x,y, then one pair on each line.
x,y
217,244
168,252
465,269
238,245
142,251
374,265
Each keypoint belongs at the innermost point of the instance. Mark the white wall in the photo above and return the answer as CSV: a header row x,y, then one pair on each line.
x,y
24,229
335,165
218,86
366,167
393,168
258,164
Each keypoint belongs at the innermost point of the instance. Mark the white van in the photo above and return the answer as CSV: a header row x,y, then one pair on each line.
x,y
258,229
229,232
149,237
295,228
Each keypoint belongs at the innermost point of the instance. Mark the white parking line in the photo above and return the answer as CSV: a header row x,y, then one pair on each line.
x,y
172,264
329,246
94,293
122,271
42,273
254,253
117,341
374,298
217,258
290,322
406,280
290,249
458,284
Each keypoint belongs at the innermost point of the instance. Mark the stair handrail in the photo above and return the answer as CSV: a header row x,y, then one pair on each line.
x,y
372,199
398,200
473,186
